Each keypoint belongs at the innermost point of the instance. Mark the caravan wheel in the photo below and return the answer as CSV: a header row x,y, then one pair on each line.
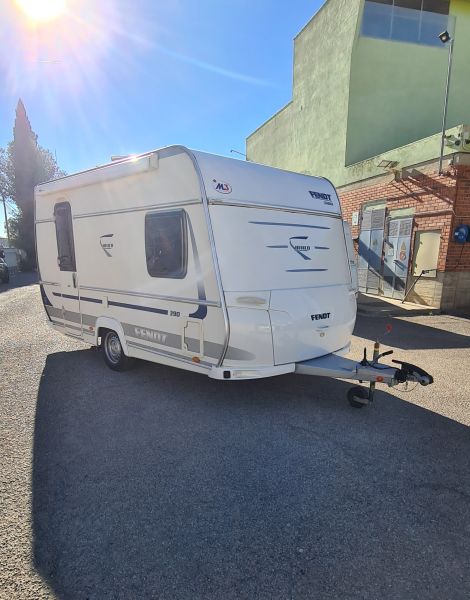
x,y
113,353
358,397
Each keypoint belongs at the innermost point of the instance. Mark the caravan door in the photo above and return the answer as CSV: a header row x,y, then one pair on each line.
x,y
68,295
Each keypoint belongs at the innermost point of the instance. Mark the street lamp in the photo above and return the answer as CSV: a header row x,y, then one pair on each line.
x,y
237,152
446,38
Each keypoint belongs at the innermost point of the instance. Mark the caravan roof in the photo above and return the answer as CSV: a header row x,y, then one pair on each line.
x,y
226,180
252,183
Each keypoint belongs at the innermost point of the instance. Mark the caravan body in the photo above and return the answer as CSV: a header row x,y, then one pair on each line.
x,y
212,264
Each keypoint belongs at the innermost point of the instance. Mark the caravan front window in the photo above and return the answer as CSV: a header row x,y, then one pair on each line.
x,y
166,244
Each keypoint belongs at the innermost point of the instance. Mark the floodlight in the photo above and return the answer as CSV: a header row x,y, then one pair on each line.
x,y
445,37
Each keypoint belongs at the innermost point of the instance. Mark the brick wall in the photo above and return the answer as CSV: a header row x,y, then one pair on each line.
x,y
439,202
430,195
458,256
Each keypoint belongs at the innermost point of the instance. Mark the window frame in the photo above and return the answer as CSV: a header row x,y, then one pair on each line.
x,y
72,268
398,14
183,215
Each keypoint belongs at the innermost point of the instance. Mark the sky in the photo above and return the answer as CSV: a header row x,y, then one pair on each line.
x,y
113,77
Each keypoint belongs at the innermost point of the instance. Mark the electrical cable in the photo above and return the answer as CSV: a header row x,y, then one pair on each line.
x,y
378,367
406,391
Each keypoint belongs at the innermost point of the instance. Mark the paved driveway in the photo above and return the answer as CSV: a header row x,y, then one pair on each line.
x,y
159,483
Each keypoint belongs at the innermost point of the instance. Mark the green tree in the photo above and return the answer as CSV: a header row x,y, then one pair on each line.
x,y
6,185
6,179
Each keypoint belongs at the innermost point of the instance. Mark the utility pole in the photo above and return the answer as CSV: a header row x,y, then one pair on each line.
x,y
446,38
6,219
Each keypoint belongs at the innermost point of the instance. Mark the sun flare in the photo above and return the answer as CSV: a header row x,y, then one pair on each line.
x,y
41,11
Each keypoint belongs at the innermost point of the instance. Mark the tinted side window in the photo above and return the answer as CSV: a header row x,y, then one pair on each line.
x,y
414,21
166,244
64,235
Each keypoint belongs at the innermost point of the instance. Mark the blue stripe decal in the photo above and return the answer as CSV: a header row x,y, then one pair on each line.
x,y
95,300
288,224
277,246
45,299
321,248
159,311
82,298
305,270
201,311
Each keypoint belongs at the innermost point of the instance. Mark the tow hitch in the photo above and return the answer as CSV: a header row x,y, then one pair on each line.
x,y
372,371
409,371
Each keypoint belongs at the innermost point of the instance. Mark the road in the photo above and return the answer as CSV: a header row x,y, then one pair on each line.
x,y
160,483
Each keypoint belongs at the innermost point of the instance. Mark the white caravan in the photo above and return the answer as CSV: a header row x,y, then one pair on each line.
x,y
215,265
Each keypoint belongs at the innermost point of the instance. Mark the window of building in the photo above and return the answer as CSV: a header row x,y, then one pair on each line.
x,y
166,244
406,20
377,19
414,21
64,235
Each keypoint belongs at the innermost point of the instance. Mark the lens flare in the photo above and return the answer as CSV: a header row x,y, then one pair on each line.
x,y
41,11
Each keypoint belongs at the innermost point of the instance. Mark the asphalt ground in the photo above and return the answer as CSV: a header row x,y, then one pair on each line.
x,y
160,483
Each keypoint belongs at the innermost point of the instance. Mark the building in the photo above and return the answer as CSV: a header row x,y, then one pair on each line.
x,y
366,112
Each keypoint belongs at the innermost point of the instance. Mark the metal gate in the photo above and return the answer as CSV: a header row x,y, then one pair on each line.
x,y
397,257
384,258
371,239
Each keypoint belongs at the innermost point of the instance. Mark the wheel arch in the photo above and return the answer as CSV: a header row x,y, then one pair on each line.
x,y
114,325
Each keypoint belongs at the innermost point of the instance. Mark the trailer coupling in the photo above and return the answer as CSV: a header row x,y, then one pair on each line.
x,y
411,372
373,372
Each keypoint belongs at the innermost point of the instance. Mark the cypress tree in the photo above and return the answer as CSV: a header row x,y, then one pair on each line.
x,y
23,165
24,156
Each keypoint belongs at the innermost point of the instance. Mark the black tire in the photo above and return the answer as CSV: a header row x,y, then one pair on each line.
x,y
6,278
356,394
113,352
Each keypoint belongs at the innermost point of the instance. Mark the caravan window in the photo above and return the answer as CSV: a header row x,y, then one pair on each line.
x,y
166,244
64,235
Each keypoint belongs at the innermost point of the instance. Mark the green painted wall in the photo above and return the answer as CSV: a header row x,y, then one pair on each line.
x,y
308,135
421,151
355,98
396,90
459,103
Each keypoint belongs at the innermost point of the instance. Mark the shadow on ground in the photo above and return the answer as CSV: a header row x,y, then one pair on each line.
x,y
407,333
19,280
159,483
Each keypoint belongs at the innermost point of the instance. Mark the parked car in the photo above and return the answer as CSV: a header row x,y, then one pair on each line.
x,y
4,271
